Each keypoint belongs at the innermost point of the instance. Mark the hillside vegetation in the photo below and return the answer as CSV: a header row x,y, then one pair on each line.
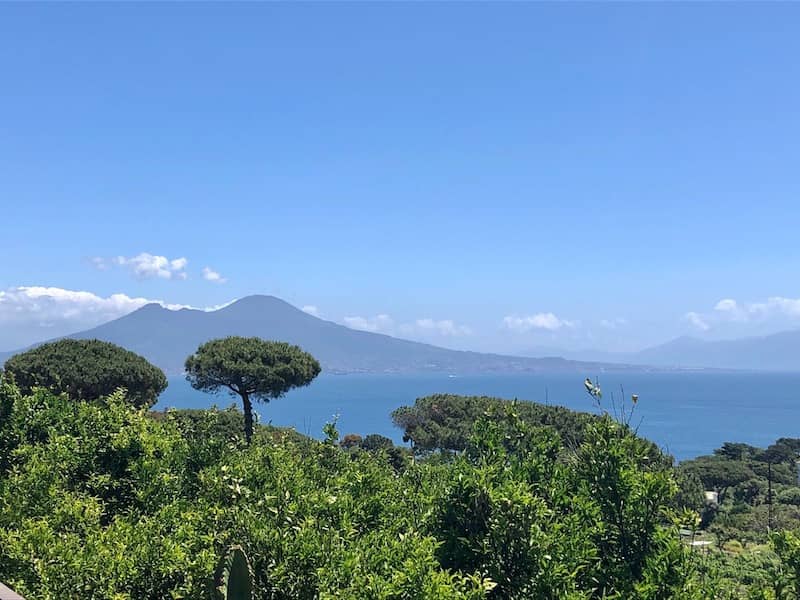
x,y
757,490
101,499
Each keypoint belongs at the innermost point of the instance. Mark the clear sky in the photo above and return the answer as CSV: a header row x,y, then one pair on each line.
x,y
487,176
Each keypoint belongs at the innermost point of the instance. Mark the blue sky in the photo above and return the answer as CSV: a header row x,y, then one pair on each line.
x,y
487,176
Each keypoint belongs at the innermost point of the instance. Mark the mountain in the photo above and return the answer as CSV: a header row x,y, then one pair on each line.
x,y
776,352
582,355
167,337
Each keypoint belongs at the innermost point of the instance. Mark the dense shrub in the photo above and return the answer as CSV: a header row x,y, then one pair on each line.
x,y
87,370
790,495
446,421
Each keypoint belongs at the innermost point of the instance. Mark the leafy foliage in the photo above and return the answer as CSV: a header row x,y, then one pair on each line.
x,y
446,421
87,370
100,499
787,547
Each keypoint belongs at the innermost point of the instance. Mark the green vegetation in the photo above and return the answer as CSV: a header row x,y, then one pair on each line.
x,y
743,476
250,368
87,370
102,499
99,500
446,421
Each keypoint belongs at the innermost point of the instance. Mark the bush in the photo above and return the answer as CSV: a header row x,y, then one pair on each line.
x,y
790,496
446,421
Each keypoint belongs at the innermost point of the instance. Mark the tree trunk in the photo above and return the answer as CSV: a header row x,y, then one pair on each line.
x,y
247,407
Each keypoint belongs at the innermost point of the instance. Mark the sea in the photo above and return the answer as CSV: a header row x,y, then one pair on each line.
x,y
686,413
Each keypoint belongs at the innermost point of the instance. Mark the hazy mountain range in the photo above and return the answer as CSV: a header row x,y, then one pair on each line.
x,y
167,337
775,352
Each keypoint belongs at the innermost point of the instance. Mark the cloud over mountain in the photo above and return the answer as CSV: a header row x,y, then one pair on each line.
x,y
778,311
32,313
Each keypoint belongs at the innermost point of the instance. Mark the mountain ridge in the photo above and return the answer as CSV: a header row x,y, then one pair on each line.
x,y
768,352
166,337
771,352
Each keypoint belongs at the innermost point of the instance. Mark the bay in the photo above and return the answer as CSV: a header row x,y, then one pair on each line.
x,y
686,414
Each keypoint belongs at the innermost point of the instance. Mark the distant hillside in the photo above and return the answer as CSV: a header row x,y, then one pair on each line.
x,y
167,337
776,352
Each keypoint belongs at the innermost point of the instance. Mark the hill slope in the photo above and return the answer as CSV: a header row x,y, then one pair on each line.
x,y
167,337
777,352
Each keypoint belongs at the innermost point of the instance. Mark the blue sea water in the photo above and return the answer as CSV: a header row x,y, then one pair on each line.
x,y
687,414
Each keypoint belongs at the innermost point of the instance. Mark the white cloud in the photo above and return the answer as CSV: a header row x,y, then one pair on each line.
x,y
547,321
100,263
146,265
777,310
377,324
425,328
312,310
210,274
613,323
730,309
47,303
789,307
445,327
178,264
727,305
30,314
697,320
